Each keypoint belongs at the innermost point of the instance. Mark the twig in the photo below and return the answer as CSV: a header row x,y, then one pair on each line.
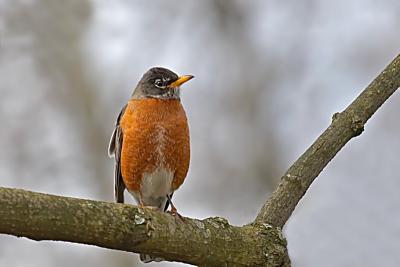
x,y
344,126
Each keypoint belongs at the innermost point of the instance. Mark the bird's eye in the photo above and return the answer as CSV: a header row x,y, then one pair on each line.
x,y
159,83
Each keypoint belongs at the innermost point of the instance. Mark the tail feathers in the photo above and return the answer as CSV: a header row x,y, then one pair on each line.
x,y
145,258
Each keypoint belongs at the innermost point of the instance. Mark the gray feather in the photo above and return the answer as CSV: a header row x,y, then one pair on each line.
x,y
114,149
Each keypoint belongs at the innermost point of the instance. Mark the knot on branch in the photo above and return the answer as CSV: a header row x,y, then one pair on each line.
x,y
357,125
335,116
275,245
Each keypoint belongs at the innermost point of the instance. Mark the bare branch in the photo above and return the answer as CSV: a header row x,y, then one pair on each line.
x,y
209,242
344,126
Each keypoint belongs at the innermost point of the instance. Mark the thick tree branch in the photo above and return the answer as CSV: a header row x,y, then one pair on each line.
x,y
344,126
209,242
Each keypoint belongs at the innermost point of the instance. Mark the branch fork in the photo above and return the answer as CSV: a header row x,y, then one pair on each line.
x,y
208,242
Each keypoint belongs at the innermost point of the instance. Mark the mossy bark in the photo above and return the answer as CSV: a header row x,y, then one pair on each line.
x,y
209,242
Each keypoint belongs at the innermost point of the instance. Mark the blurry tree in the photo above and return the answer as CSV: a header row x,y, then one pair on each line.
x,y
67,99
57,104
209,242
51,35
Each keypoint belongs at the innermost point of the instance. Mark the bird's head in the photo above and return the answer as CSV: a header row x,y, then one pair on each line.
x,y
160,83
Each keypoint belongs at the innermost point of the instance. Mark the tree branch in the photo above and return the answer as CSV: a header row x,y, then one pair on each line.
x,y
209,242
344,126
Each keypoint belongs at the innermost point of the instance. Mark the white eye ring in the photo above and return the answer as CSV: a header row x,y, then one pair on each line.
x,y
159,83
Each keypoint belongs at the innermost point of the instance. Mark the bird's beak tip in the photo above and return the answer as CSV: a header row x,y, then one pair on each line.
x,y
181,80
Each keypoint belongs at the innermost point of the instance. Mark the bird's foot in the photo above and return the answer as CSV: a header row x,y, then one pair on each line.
x,y
141,205
174,212
150,207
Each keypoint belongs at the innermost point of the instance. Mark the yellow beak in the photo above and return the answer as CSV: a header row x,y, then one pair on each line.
x,y
181,80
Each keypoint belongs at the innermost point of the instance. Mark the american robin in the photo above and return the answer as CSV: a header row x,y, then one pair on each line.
x,y
150,142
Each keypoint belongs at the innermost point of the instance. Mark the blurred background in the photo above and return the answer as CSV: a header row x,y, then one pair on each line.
x,y
269,76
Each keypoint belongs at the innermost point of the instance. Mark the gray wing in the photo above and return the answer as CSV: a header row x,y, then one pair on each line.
x,y
114,149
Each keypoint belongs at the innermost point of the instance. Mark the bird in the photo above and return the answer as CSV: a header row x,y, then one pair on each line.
x,y
150,143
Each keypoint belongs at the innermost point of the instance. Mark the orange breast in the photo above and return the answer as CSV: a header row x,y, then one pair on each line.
x,y
155,133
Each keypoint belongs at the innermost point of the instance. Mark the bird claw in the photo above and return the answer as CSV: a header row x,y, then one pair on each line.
x,y
141,205
173,210
175,213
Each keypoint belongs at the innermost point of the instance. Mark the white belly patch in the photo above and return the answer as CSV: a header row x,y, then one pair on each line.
x,y
157,184
155,187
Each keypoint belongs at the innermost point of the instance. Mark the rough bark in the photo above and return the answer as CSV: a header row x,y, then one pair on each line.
x,y
209,242
345,125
